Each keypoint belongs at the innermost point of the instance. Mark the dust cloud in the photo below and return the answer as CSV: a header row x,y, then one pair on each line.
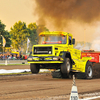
x,y
78,17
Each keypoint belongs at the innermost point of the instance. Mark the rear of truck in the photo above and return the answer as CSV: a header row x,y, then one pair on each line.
x,y
90,53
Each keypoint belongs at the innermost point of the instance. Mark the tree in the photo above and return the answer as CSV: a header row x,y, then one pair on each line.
x,y
32,26
19,34
33,33
41,28
2,27
7,37
5,34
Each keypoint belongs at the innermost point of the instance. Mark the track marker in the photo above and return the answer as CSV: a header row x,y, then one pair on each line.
x,y
6,63
74,92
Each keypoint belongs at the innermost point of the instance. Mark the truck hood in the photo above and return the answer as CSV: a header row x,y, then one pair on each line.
x,y
54,45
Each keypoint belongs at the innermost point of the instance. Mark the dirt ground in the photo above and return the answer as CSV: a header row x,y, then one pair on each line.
x,y
9,67
42,86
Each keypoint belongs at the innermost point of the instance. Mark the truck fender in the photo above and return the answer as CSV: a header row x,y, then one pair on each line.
x,y
67,54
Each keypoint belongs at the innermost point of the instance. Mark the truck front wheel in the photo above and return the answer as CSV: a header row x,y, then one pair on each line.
x,y
34,68
66,68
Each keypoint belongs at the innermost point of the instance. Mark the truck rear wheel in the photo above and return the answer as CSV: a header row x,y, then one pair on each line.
x,y
34,68
88,72
66,68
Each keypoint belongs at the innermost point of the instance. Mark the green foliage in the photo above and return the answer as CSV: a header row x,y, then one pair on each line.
x,y
5,34
2,27
33,33
19,34
41,28
34,30
32,26
7,37
17,37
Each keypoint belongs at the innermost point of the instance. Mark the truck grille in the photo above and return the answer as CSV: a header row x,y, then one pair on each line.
x,y
42,50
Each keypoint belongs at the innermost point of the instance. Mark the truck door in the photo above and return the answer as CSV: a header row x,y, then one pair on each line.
x,y
70,42
74,52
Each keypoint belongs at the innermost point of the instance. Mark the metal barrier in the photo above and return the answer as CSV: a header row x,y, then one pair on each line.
x,y
13,62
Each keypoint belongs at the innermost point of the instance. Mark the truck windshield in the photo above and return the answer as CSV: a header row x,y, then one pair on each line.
x,y
52,40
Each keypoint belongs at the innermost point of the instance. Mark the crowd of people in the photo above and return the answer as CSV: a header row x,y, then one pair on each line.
x,y
12,57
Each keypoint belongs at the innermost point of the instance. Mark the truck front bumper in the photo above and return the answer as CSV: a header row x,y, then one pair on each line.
x,y
43,60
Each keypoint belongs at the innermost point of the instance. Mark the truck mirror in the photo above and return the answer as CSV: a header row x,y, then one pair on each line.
x,y
73,41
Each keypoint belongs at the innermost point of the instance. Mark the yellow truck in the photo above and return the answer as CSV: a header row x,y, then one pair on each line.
x,y
55,51
11,50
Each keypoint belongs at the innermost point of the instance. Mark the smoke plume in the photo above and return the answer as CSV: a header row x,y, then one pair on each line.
x,y
79,17
96,42
61,11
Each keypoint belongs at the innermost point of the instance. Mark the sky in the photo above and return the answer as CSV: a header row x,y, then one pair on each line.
x,y
11,11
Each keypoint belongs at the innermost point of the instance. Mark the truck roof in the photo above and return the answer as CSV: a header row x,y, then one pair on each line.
x,y
54,33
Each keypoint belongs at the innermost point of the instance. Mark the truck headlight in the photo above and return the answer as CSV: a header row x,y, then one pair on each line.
x,y
48,58
49,52
55,58
29,58
36,58
58,58
61,59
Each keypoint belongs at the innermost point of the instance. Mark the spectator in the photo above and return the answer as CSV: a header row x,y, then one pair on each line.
x,y
4,56
14,57
30,53
23,57
20,57
64,40
17,57
1,57
10,57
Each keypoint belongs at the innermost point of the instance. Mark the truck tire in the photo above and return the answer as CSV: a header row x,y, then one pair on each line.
x,y
56,74
66,68
34,68
88,72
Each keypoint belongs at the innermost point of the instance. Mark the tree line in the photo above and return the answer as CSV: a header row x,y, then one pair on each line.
x,y
19,33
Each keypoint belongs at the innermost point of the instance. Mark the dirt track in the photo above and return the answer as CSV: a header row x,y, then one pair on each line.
x,y
41,86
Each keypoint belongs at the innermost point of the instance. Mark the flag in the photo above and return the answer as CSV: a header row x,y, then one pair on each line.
x,y
28,41
4,41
